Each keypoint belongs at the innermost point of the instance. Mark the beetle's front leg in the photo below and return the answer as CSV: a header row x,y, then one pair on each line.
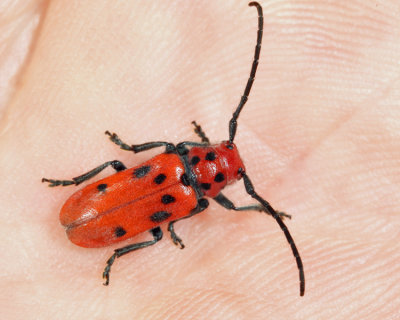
x,y
228,204
199,131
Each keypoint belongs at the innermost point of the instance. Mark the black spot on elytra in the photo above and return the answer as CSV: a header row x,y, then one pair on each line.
x,y
167,198
102,187
219,177
195,160
119,232
185,179
205,186
210,156
160,216
141,172
160,178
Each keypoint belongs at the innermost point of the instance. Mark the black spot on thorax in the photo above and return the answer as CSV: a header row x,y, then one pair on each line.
x,y
205,186
195,160
219,177
210,156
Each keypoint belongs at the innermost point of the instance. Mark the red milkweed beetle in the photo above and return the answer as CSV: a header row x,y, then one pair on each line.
x,y
167,188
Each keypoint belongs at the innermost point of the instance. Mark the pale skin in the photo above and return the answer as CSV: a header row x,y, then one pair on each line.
x,y
320,137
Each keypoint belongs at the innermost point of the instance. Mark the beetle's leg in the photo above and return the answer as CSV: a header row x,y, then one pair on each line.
x,y
150,145
175,238
185,144
114,138
250,190
139,147
117,165
182,149
199,131
201,206
157,235
228,204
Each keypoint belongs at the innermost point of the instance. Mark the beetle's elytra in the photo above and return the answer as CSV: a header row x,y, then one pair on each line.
x,y
173,185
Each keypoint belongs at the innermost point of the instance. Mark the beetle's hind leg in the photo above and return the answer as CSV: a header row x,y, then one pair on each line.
x,y
117,165
157,235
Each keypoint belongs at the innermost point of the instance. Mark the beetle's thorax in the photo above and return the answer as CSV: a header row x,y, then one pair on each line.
x,y
215,166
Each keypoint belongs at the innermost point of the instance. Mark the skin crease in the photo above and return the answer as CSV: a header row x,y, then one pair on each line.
x,y
319,138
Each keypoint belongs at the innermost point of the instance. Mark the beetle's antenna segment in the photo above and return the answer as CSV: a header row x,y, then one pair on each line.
x,y
245,96
250,190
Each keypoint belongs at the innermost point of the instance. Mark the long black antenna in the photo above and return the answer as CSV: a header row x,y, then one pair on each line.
x,y
232,132
245,96
250,190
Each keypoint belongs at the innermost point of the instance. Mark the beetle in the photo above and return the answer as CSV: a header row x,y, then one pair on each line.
x,y
171,186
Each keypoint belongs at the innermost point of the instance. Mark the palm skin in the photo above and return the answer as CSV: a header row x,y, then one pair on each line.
x,y
319,137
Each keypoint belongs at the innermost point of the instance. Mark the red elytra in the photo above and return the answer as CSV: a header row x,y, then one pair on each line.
x,y
123,205
167,188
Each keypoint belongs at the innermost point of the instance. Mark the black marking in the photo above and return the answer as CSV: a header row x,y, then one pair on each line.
x,y
185,180
167,198
210,156
203,203
181,149
102,187
205,186
219,177
160,216
160,178
119,232
141,172
195,160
